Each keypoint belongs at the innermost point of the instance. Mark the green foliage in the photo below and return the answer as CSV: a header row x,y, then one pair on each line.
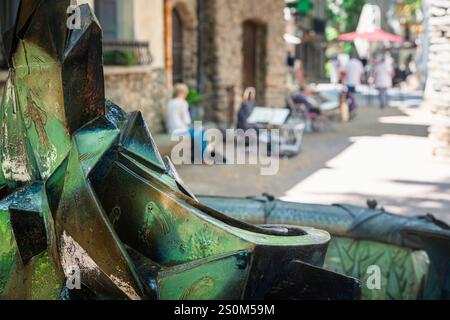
x,y
194,98
412,4
302,7
344,14
348,47
409,8
120,58
331,34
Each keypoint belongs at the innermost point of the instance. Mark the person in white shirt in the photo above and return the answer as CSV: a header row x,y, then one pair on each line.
x,y
178,118
334,70
354,72
384,74
179,122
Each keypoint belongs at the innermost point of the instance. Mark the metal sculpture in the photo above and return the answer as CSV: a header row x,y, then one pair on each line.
x,y
84,192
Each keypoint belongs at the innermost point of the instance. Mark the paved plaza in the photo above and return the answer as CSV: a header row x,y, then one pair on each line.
x,y
383,155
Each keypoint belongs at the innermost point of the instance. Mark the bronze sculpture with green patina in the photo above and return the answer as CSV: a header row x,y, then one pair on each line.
x,y
83,187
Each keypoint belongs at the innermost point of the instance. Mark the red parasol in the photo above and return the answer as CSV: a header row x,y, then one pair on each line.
x,y
377,35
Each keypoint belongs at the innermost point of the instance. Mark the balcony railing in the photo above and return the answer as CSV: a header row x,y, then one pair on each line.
x,y
127,53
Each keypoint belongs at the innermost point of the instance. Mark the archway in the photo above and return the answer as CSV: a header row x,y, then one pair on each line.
x,y
254,53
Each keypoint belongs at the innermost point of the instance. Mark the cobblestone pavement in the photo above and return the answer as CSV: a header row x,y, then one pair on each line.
x,y
383,155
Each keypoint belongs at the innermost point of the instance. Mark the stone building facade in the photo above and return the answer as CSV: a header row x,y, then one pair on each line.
x,y
231,31
438,87
204,45
186,12
219,47
139,88
142,87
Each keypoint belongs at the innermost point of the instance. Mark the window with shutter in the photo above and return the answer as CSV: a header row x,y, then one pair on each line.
x,y
8,11
107,13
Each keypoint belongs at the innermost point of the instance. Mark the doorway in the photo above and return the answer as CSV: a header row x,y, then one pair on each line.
x,y
255,58
177,47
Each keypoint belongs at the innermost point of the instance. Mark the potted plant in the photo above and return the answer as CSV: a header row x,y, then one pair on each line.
x,y
120,58
195,100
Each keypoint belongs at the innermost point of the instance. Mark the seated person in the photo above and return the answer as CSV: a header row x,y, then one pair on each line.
x,y
306,98
248,105
178,118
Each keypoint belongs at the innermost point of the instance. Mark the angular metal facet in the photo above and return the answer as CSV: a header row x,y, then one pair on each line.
x,y
85,191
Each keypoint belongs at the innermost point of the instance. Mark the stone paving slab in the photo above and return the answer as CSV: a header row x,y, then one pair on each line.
x,y
383,154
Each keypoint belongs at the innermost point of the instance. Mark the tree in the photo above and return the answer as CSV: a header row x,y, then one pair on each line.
x,y
344,14
408,9
302,7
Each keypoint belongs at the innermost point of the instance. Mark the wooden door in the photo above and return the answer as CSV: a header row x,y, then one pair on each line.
x,y
177,47
254,58
249,54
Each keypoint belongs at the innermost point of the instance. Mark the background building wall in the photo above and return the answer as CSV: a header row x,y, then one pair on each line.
x,y
126,19
145,87
142,89
438,87
187,9
148,26
223,68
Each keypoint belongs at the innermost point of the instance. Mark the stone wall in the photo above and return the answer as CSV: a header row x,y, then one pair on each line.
x,y
438,87
134,89
188,12
223,44
139,88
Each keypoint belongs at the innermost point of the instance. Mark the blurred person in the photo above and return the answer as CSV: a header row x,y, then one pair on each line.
x,y
248,105
178,117
179,121
290,62
306,98
333,70
304,105
384,75
410,65
354,72
299,72
343,59
366,66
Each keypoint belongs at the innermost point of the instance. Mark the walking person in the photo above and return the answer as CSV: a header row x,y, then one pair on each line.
x,y
354,72
353,75
384,74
